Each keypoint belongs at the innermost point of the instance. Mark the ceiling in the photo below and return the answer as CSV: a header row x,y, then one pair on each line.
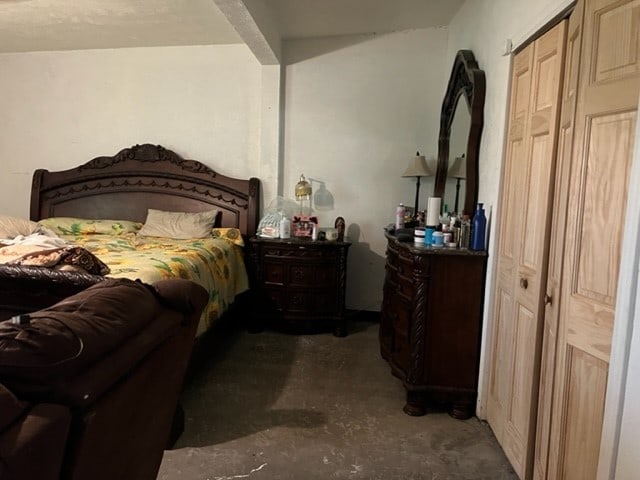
x,y
40,25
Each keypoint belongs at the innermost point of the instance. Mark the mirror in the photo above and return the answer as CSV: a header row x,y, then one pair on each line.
x,y
461,122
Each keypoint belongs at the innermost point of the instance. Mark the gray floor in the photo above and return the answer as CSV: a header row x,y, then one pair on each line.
x,y
278,406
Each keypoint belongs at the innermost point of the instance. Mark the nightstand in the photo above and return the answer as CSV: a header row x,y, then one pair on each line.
x,y
299,284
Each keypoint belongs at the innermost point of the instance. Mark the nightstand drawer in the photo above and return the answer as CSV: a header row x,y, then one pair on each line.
x,y
274,273
301,253
311,275
310,303
276,299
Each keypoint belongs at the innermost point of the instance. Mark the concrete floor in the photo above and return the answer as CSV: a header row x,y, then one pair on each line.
x,y
278,406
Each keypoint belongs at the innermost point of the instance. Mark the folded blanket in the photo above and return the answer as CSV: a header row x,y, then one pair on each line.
x,y
67,258
52,252
35,240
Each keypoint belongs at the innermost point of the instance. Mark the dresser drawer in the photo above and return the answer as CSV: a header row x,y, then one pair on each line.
x,y
396,311
398,287
402,319
404,267
401,352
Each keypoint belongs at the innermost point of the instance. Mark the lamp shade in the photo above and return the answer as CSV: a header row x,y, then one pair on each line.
x,y
418,167
459,168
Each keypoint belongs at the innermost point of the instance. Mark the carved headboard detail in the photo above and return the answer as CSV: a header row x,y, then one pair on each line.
x,y
124,186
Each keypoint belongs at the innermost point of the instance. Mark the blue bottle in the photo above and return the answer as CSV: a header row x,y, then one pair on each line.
x,y
479,227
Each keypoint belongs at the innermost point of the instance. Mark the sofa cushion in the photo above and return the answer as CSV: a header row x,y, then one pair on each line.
x,y
71,335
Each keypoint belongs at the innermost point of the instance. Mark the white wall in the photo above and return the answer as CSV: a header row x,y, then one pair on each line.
x,y
63,108
356,110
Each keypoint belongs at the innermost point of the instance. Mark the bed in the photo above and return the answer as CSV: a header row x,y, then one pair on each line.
x,y
123,187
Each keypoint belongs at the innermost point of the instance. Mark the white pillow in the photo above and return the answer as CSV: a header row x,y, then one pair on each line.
x,y
11,227
179,225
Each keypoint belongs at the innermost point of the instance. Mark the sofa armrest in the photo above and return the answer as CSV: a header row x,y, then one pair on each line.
x,y
67,339
182,295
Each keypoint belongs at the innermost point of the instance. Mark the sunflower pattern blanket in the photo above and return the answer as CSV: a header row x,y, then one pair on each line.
x,y
214,262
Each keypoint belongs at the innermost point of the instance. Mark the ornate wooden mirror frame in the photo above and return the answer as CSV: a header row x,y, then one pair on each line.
x,y
466,80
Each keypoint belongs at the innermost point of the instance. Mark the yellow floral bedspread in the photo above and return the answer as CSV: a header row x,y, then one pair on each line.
x,y
215,263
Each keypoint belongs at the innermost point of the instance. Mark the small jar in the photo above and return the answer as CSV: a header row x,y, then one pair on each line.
x,y
418,236
437,239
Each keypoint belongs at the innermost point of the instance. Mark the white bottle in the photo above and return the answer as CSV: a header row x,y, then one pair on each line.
x,y
285,228
400,212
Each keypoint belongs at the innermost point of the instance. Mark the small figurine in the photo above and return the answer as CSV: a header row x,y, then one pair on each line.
x,y
340,226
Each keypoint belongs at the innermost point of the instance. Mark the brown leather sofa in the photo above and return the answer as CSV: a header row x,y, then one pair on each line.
x,y
89,386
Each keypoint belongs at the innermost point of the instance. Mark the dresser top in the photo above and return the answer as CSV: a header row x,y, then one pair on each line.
x,y
300,242
422,249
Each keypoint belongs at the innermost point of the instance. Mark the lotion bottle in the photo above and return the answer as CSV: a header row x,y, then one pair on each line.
x,y
478,229
285,228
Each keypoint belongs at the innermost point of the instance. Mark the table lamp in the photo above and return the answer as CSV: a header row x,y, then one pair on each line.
x,y
458,170
418,167
303,192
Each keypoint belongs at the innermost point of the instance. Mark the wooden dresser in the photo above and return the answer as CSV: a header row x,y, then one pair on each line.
x,y
300,284
431,324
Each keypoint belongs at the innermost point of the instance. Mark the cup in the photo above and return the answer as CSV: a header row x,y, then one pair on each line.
x,y
331,234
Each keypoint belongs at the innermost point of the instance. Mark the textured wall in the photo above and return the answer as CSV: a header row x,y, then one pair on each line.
x,y
356,110
62,108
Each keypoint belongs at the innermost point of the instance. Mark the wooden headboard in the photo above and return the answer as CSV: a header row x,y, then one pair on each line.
x,y
145,176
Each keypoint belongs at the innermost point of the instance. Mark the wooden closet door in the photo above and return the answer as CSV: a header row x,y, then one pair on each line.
x,y
608,89
523,246
556,248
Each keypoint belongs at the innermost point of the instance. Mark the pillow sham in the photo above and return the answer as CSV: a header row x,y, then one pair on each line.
x,y
231,234
179,225
83,226
11,227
